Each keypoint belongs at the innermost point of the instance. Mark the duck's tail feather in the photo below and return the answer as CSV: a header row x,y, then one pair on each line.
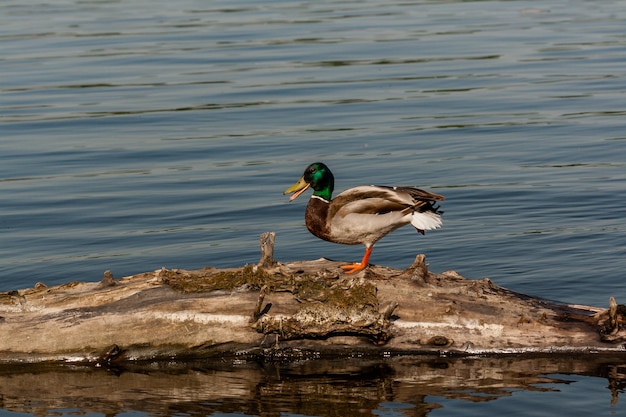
x,y
427,218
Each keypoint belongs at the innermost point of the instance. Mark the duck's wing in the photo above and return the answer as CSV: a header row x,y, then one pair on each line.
x,y
417,194
368,199
375,199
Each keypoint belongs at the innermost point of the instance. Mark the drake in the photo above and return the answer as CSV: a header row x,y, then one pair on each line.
x,y
363,214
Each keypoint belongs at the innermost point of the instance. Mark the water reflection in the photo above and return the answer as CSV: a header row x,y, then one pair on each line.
x,y
348,387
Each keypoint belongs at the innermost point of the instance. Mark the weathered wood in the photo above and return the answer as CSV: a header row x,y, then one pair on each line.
x,y
307,305
267,249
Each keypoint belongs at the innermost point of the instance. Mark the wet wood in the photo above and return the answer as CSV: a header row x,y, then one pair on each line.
x,y
308,306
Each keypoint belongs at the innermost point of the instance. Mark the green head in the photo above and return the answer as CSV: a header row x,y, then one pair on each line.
x,y
316,176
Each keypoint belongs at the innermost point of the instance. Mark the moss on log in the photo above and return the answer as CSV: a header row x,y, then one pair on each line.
x,y
308,307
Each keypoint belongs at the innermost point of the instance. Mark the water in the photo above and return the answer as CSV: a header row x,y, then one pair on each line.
x,y
143,134
396,387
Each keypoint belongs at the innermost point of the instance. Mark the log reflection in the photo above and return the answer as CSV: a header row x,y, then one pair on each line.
x,y
347,387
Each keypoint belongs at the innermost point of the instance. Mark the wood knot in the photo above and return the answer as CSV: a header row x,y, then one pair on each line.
x,y
438,341
111,354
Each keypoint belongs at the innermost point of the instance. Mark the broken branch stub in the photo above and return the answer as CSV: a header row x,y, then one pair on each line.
x,y
267,249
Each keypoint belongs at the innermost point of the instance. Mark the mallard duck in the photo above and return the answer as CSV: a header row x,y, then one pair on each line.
x,y
363,214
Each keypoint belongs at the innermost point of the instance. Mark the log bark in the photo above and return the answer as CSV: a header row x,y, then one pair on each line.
x,y
309,308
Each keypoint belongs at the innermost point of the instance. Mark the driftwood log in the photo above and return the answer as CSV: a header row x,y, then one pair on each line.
x,y
308,308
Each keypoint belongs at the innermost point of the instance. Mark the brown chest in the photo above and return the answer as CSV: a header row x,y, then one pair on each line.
x,y
316,216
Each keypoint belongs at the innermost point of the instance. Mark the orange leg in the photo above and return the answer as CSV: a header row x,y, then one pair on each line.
x,y
356,267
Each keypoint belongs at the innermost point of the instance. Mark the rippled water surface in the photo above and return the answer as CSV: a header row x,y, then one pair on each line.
x,y
144,134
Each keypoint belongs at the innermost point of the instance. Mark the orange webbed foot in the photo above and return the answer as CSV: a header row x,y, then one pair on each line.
x,y
358,266
352,268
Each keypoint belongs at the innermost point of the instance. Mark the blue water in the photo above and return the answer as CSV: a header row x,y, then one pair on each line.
x,y
143,134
